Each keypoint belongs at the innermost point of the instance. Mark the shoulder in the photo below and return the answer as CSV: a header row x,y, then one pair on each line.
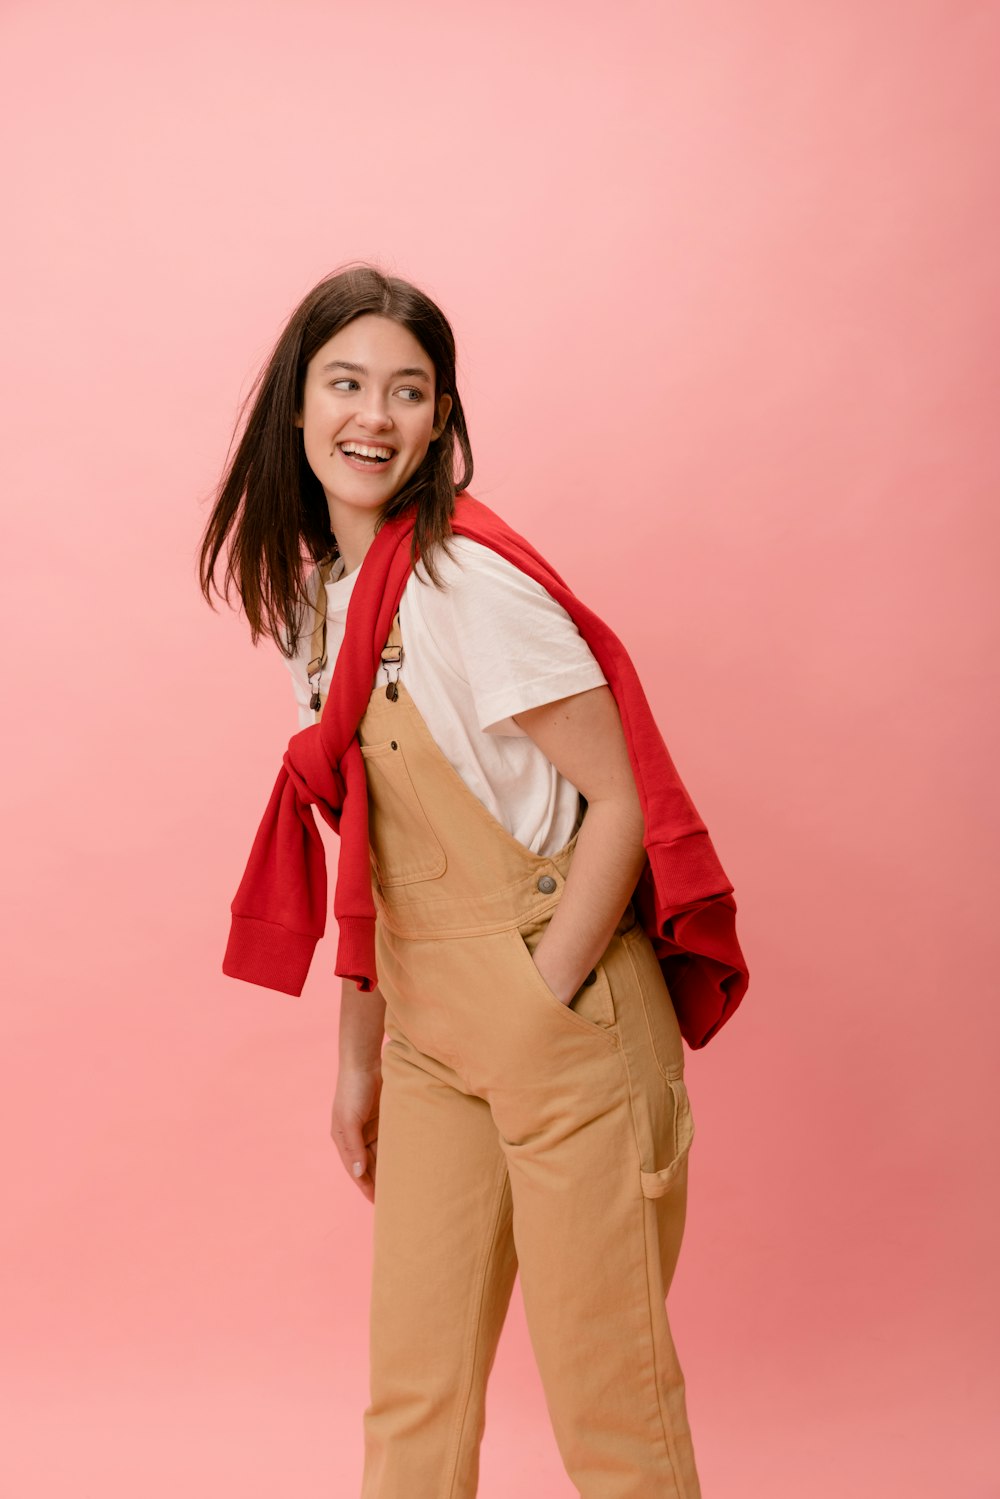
x,y
482,591
472,569
488,603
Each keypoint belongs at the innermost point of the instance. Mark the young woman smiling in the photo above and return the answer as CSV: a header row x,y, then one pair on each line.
x,y
510,1094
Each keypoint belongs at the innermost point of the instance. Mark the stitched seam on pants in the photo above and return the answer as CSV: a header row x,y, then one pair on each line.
x,y
668,1439
451,1471
668,1073
668,1436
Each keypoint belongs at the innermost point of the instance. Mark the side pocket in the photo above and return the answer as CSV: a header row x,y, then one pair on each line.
x,y
600,1005
658,1183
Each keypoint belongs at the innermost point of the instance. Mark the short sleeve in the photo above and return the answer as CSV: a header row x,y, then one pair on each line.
x,y
518,647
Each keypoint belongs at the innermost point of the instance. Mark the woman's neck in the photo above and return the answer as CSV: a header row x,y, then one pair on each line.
x,y
354,532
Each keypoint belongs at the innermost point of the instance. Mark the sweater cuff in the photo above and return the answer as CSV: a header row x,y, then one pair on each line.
x,y
356,951
262,952
685,871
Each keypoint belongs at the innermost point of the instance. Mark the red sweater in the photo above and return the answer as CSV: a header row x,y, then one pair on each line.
x,y
683,897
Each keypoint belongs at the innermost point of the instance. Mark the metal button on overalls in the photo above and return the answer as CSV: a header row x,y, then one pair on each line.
x,y
517,1133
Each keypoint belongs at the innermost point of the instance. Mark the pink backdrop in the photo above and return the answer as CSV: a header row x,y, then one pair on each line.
x,y
723,280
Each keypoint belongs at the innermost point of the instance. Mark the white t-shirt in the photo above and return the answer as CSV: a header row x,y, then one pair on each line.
x,y
493,642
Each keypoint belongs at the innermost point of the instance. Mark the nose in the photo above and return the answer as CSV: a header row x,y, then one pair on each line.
x,y
373,415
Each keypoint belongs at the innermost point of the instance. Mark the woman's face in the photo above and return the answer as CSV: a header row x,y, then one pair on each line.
x,y
370,385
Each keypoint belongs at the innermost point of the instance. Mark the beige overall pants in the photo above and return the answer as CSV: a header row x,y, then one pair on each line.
x,y
515,1132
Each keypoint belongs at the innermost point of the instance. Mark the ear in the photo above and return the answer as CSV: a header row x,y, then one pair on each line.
x,y
443,412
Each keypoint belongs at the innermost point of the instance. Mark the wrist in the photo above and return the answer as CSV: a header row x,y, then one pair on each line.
x,y
362,1029
556,981
361,1063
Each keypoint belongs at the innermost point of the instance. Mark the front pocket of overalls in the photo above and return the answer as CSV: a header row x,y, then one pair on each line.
x,y
680,1133
404,845
598,1017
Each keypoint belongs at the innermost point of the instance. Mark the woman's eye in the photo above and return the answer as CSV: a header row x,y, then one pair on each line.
x,y
411,392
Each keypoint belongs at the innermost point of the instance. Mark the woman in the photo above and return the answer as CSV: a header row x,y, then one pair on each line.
x,y
513,1083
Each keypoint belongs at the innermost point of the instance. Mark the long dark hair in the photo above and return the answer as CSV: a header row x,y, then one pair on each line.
x,y
270,499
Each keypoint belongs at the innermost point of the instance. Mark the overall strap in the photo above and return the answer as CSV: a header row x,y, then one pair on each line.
x,y
392,652
317,645
392,659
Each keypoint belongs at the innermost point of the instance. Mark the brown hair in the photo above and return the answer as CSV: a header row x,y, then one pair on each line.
x,y
269,497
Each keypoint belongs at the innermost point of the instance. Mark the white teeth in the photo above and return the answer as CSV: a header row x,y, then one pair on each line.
x,y
366,452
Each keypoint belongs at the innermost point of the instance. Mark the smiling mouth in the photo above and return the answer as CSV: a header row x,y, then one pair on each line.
x,y
369,453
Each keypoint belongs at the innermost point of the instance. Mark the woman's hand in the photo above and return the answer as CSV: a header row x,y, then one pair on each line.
x,y
354,1127
359,1083
557,988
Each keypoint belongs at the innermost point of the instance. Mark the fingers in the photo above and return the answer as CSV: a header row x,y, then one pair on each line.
x,y
354,1124
371,1154
350,1142
357,1146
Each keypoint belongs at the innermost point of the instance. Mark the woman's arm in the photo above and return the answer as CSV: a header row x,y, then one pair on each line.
x,y
583,737
354,1126
362,1026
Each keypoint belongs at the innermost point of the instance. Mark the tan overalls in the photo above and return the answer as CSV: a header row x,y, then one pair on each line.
x,y
514,1132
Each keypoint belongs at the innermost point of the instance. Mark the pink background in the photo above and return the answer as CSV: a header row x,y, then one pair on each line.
x,y
723,278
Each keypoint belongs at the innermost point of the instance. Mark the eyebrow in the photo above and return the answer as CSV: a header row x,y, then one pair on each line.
x,y
359,369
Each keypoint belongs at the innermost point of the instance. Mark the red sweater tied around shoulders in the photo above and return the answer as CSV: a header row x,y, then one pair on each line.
x,y
683,898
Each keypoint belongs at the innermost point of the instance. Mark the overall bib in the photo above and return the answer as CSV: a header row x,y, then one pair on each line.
x,y
515,1133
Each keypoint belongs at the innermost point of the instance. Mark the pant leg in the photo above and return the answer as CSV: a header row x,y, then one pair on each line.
x,y
596,1145
443,1270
